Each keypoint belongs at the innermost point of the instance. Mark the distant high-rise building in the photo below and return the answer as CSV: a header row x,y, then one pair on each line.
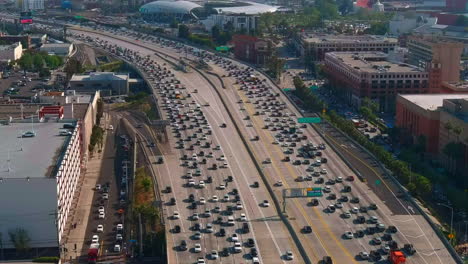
x,y
27,5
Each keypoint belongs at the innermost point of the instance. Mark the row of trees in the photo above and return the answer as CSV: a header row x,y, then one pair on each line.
x,y
40,62
416,183
184,33
310,100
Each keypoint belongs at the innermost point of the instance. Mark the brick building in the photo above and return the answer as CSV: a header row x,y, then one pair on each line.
x,y
428,116
251,49
356,75
440,57
316,45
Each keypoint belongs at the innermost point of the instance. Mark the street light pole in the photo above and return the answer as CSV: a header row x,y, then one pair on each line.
x,y
451,219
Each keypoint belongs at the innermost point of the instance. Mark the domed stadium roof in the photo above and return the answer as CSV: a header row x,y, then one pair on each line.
x,y
164,6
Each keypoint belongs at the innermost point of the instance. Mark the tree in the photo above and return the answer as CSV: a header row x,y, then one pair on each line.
x,y
44,73
20,238
38,61
462,21
275,66
215,33
26,61
345,6
377,28
73,66
184,32
146,182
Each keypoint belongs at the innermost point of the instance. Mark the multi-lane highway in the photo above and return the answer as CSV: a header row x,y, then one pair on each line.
x,y
335,227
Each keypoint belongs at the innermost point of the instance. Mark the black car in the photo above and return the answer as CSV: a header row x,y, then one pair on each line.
x,y
235,191
344,198
245,228
183,245
314,202
222,232
371,230
375,255
392,229
324,160
225,252
354,200
387,237
209,179
331,181
361,219
319,180
327,260
253,252
193,205
363,209
359,233
196,227
191,198
172,201
250,243
346,188
229,179
255,185
332,196
168,189
373,206
177,229
307,229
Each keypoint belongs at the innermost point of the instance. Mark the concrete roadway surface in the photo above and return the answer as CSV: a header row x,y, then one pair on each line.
x,y
268,232
412,228
107,238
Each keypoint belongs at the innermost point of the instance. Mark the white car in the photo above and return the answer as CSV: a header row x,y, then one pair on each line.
x,y
222,187
111,127
239,206
201,260
339,179
195,216
95,239
201,184
214,254
364,255
105,196
289,255
242,217
226,198
237,247
102,215
234,238
207,213
267,161
355,210
327,189
119,237
100,228
202,200
265,203
255,260
176,215
119,227
279,183
197,248
214,199
117,248
323,171
209,228
346,215
98,187
349,234
339,205
101,209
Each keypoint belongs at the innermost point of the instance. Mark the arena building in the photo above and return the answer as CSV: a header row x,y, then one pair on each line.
x,y
167,11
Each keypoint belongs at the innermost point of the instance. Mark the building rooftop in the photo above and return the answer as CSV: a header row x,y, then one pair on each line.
x,y
165,6
372,62
99,76
56,45
251,8
32,157
327,38
431,102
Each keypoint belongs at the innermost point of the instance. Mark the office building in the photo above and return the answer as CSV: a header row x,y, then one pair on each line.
x,y
440,57
356,75
29,5
60,49
240,22
108,83
251,49
315,46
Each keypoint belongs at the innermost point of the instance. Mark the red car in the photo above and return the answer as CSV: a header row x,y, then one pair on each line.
x,y
350,178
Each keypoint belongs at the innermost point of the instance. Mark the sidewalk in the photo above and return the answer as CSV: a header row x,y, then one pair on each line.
x,y
76,236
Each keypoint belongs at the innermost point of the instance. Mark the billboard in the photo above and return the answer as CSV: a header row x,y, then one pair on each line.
x,y
26,17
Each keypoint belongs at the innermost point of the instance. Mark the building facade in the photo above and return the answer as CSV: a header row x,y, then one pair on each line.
x,y
29,5
438,56
315,46
356,75
243,23
11,52
251,49
60,49
106,82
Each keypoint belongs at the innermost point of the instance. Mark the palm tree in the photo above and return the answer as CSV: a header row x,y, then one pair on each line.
x,y
457,130
20,238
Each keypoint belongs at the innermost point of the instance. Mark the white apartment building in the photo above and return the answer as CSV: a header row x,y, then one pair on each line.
x,y
28,5
38,178
239,22
11,52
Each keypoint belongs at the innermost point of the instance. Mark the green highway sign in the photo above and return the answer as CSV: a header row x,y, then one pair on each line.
x,y
222,48
314,87
309,120
314,192
287,89
378,182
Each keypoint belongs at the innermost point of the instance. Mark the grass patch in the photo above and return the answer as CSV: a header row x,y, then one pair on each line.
x,y
143,194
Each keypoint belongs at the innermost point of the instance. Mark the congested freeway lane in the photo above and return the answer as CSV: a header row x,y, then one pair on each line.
x,y
269,234
411,227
